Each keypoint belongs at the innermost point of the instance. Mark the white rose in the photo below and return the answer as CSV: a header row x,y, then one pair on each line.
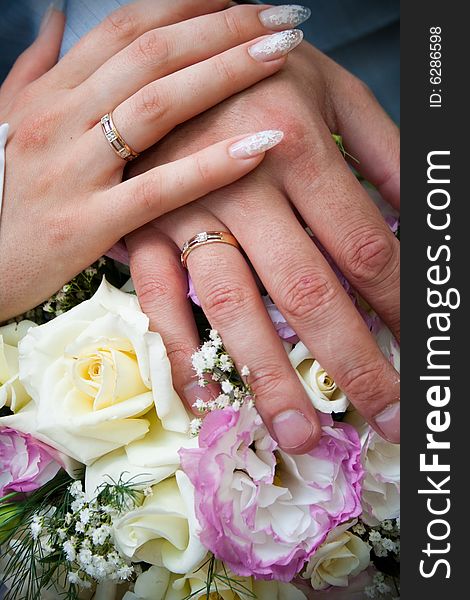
x,y
381,484
342,555
389,346
159,584
12,392
164,530
144,462
323,392
98,377
155,584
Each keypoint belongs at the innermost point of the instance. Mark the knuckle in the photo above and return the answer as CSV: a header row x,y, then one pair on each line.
x,y
225,71
149,103
203,169
298,150
363,383
148,194
152,48
122,23
151,289
157,289
307,158
36,130
225,301
232,23
179,352
266,380
369,256
305,293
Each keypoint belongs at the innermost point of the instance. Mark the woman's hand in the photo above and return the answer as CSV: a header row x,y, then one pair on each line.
x,y
311,99
64,201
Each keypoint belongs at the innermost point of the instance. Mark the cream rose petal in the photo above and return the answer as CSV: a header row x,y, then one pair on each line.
x,y
12,392
120,330
389,346
14,332
169,406
65,416
381,485
163,531
66,328
160,446
276,590
158,583
146,461
310,374
342,555
153,584
259,589
116,466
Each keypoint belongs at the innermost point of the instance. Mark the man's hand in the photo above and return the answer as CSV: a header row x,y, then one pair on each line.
x,y
305,178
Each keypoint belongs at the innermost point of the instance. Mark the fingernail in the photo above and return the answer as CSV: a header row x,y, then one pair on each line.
x,y
292,429
388,423
194,392
58,5
280,17
256,144
276,45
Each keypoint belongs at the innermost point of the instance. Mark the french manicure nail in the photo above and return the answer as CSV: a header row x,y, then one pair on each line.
x,y
292,429
256,144
388,423
280,17
276,45
194,392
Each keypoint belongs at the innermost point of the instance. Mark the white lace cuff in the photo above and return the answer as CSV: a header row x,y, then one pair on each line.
x,y
3,141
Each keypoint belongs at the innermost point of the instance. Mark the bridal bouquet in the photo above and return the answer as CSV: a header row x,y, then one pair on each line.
x,y
109,489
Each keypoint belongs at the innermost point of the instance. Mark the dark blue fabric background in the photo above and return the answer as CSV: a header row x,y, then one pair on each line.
x,y
362,35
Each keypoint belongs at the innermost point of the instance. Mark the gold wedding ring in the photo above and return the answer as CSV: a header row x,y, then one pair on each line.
x,y
115,139
204,238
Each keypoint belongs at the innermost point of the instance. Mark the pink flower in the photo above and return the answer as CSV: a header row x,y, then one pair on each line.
x,y
25,463
262,511
192,292
119,252
284,330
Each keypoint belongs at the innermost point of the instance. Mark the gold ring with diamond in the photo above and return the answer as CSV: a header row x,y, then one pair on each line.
x,y
204,238
115,139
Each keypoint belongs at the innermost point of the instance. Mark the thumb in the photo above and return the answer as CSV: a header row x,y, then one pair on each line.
x,y
41,56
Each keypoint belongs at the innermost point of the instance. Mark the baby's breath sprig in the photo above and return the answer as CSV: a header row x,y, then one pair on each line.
x,y
381,587
121,495
213,364
64,542
384,539
83,539
76,291
28,565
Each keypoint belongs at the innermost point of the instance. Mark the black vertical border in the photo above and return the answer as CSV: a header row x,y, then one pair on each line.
x,y
426,129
